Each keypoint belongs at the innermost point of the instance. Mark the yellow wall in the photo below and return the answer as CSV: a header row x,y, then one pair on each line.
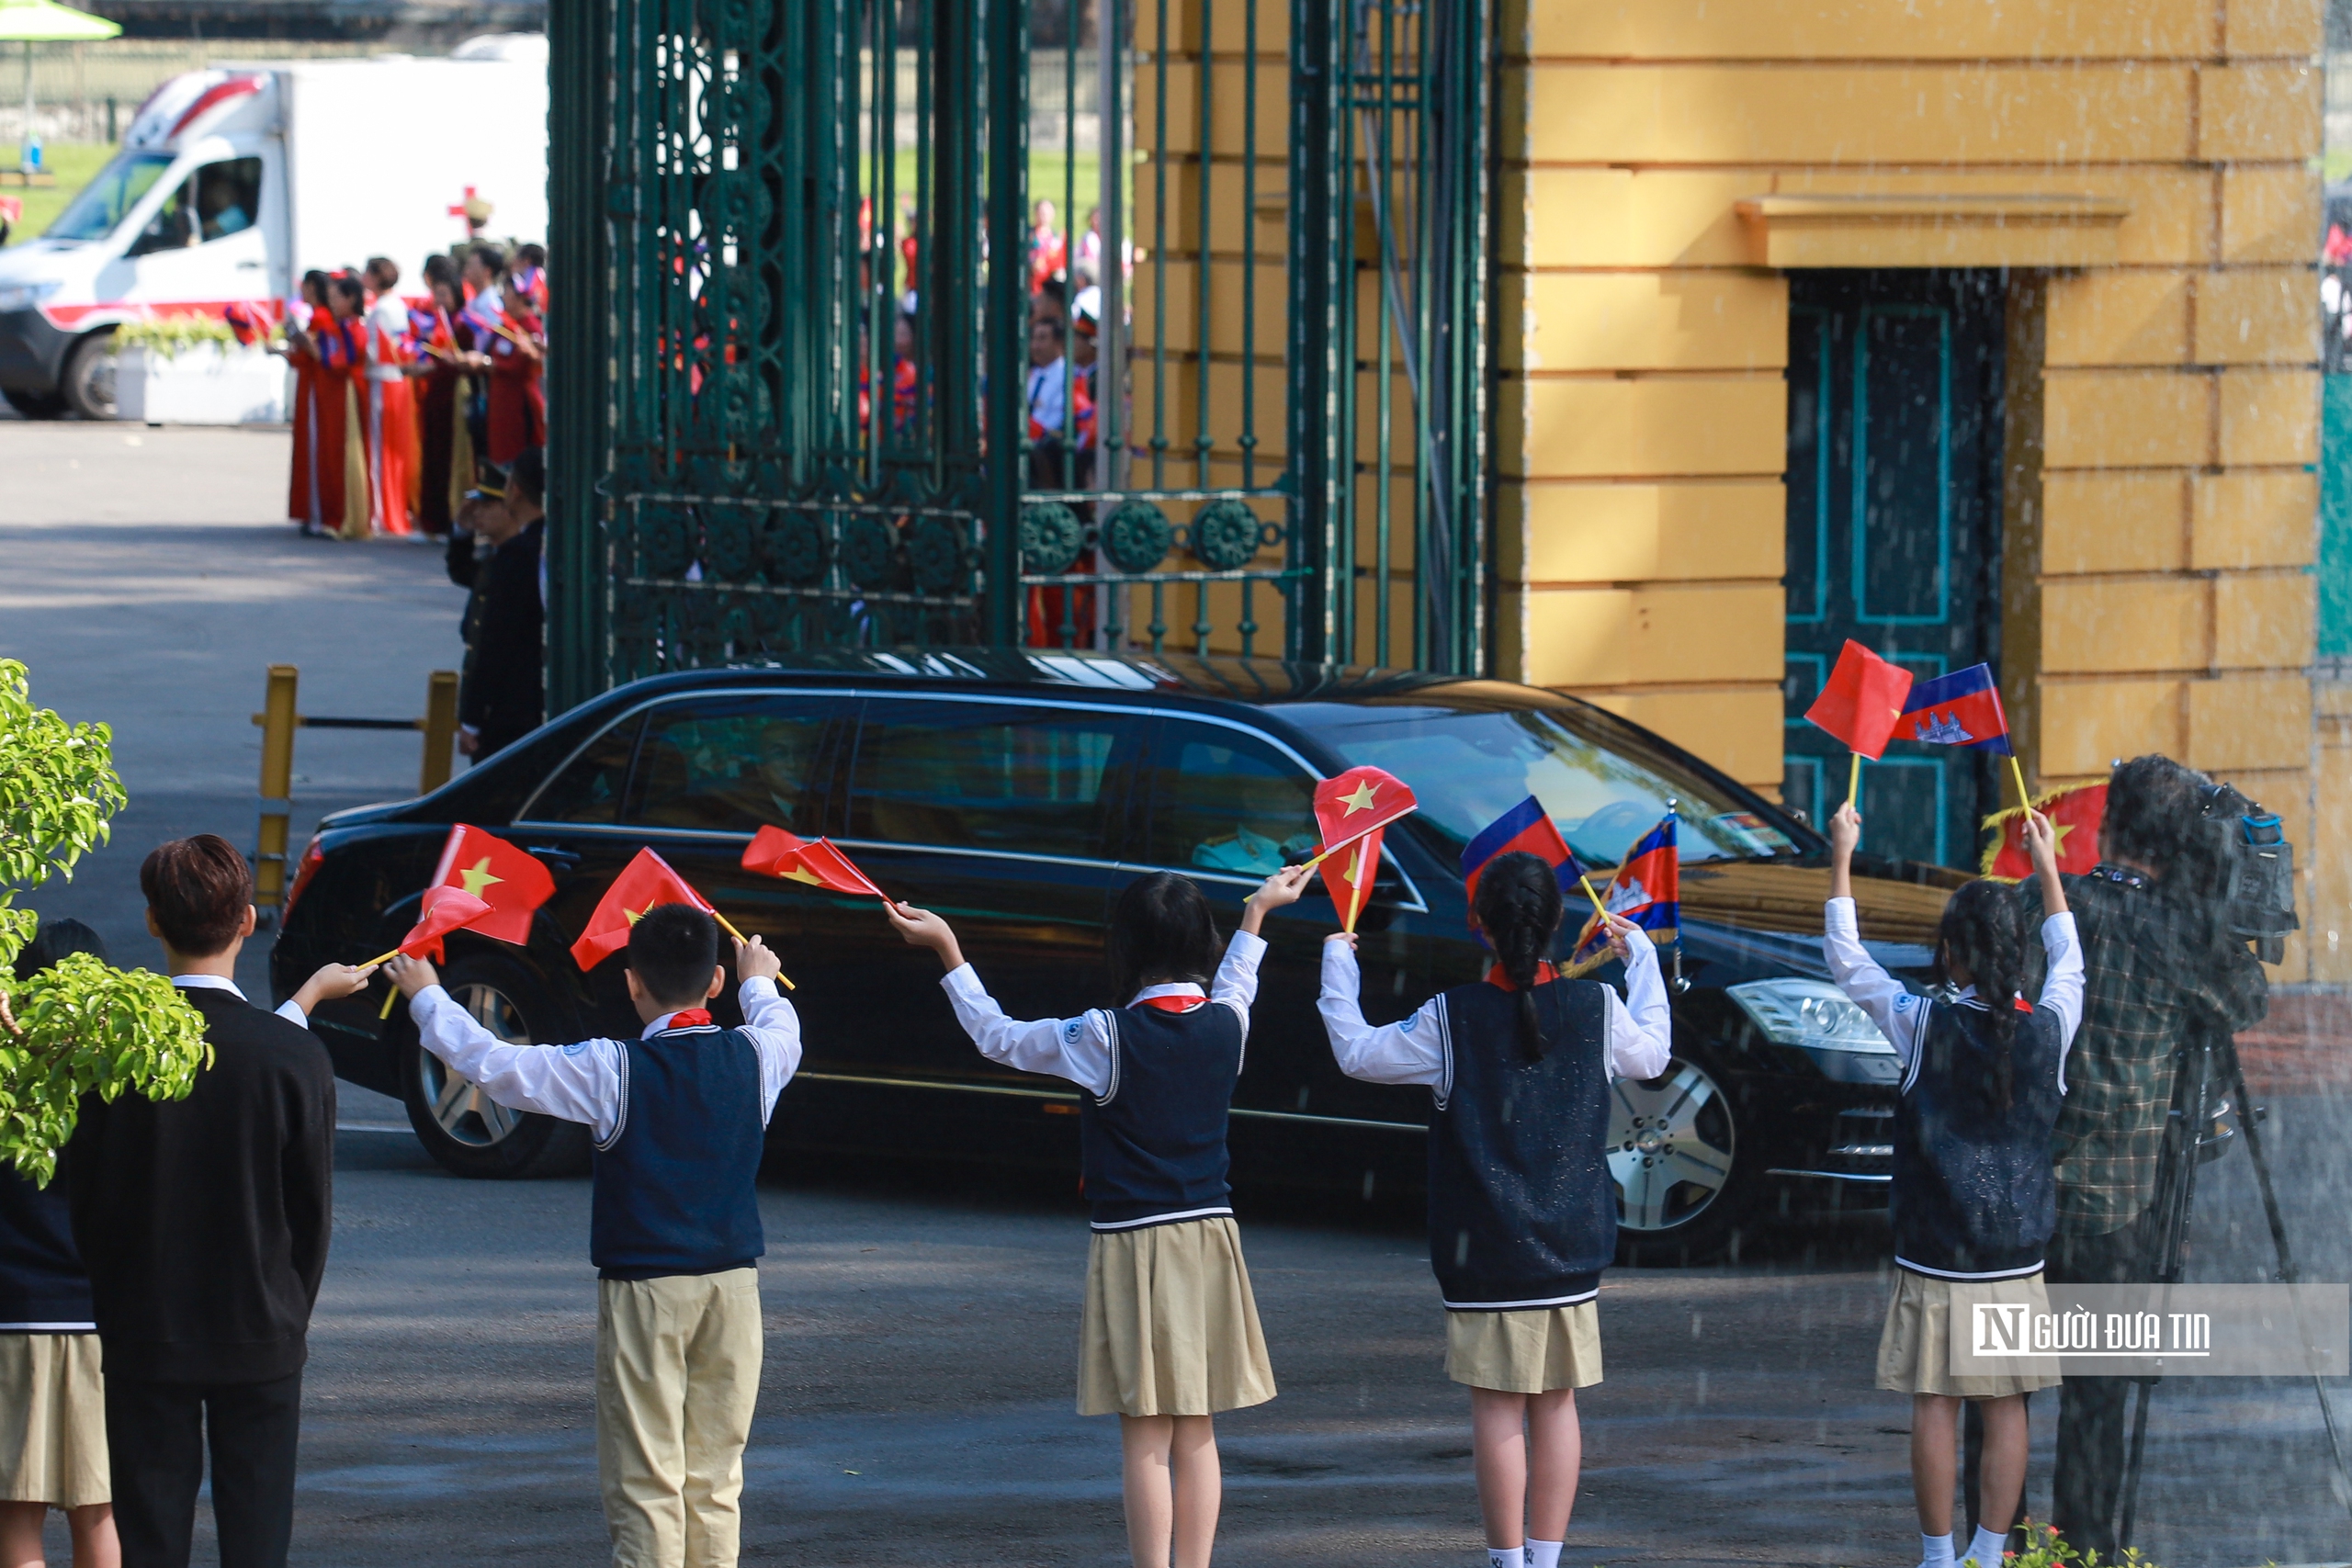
x,y
2152,163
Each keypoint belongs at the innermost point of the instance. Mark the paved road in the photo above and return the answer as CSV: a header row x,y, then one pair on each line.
x,y
921,1322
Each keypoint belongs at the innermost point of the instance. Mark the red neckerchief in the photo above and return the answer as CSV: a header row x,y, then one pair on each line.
x,y
689,1018
1171,1004
1544,976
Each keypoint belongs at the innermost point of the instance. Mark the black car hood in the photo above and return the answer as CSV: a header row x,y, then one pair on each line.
x,y
1747,919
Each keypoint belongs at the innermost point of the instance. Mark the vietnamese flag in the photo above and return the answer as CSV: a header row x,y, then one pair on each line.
x,y
1646,890
444,909
1525,828
1963,709
1862,701
2075,817
512,882
1350,874
644,882
774,852
1358,802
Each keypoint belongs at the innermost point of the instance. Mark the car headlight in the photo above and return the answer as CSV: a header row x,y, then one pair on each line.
x,y
24,296
1813,1014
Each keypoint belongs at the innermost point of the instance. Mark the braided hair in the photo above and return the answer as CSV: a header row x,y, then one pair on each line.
x,y
1517,906
1983,933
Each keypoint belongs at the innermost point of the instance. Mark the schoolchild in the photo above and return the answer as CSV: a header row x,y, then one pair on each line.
x,y
1973,1200
679,1117
1170,1335
1522,1213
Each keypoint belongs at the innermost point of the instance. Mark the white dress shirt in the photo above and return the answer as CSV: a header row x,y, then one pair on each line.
x,y
1079,1048
588,1080
1902,1017
1639,1031
287,1009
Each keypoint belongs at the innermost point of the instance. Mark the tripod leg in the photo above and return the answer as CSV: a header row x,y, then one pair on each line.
x,y
2287,1272
2147,1393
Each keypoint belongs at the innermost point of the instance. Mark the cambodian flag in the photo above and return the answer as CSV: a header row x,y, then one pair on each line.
x,y
1646,890
1525,828
1963,709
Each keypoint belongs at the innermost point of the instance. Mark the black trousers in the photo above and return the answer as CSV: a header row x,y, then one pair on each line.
x,y
156,1436
2087,1485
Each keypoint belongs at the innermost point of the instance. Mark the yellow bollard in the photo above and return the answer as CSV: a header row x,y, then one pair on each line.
x,y
440,727
276,788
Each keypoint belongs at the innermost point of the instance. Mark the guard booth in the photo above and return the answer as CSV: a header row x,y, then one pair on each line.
x,y
791,399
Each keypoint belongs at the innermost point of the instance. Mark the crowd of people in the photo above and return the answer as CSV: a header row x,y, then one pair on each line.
x,y
400,405
160,1293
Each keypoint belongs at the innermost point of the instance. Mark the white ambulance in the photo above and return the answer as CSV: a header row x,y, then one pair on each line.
x,y
235,181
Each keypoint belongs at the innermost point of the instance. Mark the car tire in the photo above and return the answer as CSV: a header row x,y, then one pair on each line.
x,y
1684,1194
459,1126
37,405
88,381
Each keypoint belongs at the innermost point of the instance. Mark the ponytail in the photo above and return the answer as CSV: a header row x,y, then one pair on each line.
x,y
1983,933
1519,908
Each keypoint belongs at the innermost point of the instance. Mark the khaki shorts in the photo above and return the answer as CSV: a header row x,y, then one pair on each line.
x,y
1914,1347
52,1420
1170,1328
1525,1352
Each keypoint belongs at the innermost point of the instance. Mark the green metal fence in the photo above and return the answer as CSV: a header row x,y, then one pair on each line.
x,y
798,403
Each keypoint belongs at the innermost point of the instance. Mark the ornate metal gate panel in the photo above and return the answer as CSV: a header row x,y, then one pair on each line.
x,y
784,357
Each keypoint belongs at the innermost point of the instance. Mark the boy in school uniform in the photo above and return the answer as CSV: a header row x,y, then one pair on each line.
x,y
679,1118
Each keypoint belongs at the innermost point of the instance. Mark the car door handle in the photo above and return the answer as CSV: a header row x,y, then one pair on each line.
x,y
562,859
250,266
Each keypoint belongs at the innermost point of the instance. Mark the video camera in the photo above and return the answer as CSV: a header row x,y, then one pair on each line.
x,y
2250,868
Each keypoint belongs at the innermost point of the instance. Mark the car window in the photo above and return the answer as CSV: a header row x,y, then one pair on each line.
x,y
227,197
167,227
588,788
1023,782
104,201
732,766
1225,801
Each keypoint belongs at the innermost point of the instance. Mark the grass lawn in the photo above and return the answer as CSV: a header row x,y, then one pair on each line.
x,y
74,163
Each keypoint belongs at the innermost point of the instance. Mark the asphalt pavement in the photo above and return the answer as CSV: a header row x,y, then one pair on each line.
x,y
923,1321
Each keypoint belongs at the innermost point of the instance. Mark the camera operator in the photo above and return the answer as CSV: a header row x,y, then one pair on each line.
x,y
2163,972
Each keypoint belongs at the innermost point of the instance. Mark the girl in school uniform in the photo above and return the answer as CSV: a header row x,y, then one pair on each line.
x,y
1171,1335
1522,1212
1972,1202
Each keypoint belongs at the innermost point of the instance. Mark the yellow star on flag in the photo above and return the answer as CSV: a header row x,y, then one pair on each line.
x,y
1361,800
2058,831
798,874
637,915
477,876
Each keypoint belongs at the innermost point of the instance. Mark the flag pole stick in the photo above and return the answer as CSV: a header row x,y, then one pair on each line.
x,y
1854,781
390,997
1355,884
729,926
2017,772
1583,880
381,958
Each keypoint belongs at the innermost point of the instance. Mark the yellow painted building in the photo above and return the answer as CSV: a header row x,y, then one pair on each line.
x,y
1969,330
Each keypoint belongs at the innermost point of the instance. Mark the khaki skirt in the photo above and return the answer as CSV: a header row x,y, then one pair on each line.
x,y
1914,1347
1525,1352
1170,1328
52,1420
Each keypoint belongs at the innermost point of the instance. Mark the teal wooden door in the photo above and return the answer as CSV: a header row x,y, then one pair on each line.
x,y
1894,529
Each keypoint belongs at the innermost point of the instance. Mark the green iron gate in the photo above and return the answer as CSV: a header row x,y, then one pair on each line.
x,y
791,396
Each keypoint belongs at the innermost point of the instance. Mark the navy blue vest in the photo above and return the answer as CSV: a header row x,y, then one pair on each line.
x,y
1154,1143
675,1185
1974,1195
1522,1211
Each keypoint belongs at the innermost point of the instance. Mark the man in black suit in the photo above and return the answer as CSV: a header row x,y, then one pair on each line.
x,y
204,1222
503,695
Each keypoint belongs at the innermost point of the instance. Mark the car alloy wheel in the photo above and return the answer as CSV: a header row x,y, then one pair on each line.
x,y
1671,1148
464,1113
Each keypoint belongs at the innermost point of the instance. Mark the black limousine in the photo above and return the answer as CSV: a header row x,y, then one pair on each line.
x,y
1017,791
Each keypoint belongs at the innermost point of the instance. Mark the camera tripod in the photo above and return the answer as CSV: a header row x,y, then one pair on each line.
x,y
2193,1139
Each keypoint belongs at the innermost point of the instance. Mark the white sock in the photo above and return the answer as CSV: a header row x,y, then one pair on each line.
x,y
1506,1557
1935,1551
1542,1554
1986,1550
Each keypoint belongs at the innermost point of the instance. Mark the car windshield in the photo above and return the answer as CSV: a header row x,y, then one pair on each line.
x,y
94,214
1469,765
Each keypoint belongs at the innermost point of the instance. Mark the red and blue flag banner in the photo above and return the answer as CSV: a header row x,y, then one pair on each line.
x,y
1862,701
1646,890
1525,828
1963,709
